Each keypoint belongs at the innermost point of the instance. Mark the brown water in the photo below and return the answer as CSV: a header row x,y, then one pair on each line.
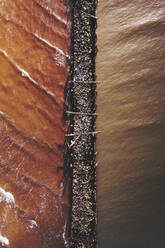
x,y
34,47
131,107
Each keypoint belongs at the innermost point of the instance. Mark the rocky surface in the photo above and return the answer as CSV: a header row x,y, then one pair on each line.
x,y
81,111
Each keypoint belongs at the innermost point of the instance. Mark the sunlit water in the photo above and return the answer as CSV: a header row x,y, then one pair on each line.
x,y
131,103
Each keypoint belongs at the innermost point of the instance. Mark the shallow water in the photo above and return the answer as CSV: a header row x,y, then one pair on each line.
x,y
131,102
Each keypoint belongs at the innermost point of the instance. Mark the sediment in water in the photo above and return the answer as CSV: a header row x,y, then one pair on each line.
x,y
34,51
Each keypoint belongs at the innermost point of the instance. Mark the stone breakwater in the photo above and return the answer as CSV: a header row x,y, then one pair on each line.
x,y
81,113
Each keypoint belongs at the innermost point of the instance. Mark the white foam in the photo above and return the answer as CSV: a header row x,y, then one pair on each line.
x,y
25,74
4,241
60,59
56,16
6,196
51,45
33,224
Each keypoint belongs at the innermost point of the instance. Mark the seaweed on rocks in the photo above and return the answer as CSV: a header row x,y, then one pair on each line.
x,y
80,111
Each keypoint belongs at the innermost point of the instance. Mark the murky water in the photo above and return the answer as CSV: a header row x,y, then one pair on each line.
x,y
131,103
34,47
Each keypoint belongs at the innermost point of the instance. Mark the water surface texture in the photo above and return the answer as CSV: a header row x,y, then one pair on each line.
x,y
34,47
131,107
